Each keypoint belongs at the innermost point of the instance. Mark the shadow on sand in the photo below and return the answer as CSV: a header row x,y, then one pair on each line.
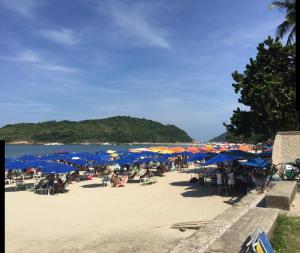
x,y
195,190
92,185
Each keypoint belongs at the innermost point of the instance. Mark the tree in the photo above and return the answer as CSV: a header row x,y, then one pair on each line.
x,y
268,88
289,24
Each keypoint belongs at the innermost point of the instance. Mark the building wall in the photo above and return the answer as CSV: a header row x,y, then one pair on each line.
x,y
286,147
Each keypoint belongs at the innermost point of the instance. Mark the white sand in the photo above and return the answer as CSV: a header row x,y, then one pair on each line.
x,y
134,218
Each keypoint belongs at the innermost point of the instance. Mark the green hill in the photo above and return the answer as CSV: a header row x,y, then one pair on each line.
x,y
220,138
120,129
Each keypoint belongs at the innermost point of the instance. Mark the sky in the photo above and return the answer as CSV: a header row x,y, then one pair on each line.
x,y
169,60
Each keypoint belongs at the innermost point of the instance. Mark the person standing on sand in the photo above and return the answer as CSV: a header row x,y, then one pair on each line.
x,y
231,181
219,180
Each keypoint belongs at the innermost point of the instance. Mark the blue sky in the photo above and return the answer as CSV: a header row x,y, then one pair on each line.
x,y
168,61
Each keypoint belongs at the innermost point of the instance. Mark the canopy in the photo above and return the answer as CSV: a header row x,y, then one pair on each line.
x,y
256,162
57,168
220,158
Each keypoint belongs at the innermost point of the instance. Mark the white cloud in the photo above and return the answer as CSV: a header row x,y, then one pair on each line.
x,y
64,36
25,8
58,68
135,25
29,56
24,56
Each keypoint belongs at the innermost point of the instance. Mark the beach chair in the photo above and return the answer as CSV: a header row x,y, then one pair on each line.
x,y
40,186
144,175
259,242
106,180
20,185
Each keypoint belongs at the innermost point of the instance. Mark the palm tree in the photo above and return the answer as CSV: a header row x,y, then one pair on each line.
x,y
289,24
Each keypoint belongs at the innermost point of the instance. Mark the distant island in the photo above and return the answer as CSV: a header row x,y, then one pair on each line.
x,y
120,129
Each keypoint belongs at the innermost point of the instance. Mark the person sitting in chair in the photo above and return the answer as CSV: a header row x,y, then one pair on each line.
x,y
59,185
146,174
116,181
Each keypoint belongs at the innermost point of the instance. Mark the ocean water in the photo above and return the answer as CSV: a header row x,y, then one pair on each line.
x,y
16,150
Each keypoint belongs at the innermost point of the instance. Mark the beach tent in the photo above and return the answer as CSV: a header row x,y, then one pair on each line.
x,y
220,158
256,162
56,168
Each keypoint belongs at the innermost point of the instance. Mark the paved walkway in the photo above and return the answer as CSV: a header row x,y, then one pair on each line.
x,y
201,240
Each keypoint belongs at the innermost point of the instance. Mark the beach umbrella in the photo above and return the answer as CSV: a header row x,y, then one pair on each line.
x,y
220,158
51,157
185,153
264,154
38,163
62,151
16,165
198,156
27,157
9,159
111,151
79,161
239,153
256,162
56,168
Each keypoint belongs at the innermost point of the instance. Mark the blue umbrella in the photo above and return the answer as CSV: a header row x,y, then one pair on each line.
x,y
240,153
220,158
198,156
77,161
257,162
27,157
265,154
57,168
38,163
16,165
51,157
102,162
9,159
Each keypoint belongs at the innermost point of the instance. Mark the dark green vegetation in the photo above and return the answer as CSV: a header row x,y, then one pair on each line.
x,y
289,24
220,138
268,88
286,236
119,129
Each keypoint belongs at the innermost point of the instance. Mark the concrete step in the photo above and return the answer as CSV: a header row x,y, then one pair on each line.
x,y
200,241
234,238
281,195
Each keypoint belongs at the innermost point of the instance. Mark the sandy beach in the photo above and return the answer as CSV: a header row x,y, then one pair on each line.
x,y
92,218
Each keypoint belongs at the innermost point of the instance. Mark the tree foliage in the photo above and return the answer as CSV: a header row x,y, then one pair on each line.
x,y
268,88
119,129
289,24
